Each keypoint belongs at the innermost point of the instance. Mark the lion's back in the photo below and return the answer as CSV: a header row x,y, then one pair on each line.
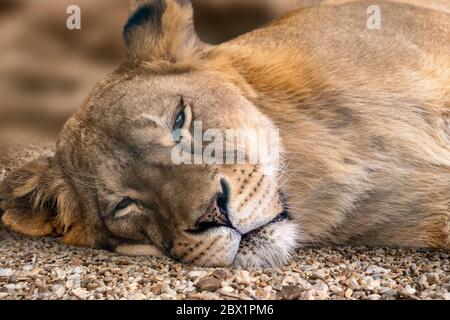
x,y
341,33
383,94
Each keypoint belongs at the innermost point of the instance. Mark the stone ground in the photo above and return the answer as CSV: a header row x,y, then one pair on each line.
x,y
46,269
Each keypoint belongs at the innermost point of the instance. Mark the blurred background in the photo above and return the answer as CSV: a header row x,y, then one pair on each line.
x,y
47,70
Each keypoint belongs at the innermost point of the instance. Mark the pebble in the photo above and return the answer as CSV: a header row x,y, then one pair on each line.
x,y
319,274
136,296
290,293
101,257
320,290
80,293
208,284
348,293
409,290
288,280
303,283
197,274
370,283
168,290
413,269
422,282
359,295
209,296
221,274
388,292
76,261
227,289
61,274
353,284
157,289
59,291
373,269
243,277
101,289
433,278
335,289
6,272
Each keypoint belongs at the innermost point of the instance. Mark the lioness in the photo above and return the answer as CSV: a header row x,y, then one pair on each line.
x,y
364,118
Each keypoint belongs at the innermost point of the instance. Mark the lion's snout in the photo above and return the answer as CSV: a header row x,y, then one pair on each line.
x,y
216,215
242,201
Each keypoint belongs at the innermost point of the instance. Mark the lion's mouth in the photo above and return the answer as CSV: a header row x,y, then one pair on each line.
x,y
284,215
206,227
280,218
220,242
223,220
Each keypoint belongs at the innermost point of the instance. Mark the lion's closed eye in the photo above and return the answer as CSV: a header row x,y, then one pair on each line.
x,y
125,207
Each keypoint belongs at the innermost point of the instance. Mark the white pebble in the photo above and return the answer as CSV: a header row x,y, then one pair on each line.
x,y
60,273
410,290
353,284
320,290
6,272
376,269
168,290
335,289
133,286
243,276
197,274
59,290
80,293
348,293
319,274
227,289
371,283
136,296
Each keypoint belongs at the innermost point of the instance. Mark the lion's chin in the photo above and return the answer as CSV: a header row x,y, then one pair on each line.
x,y
268,247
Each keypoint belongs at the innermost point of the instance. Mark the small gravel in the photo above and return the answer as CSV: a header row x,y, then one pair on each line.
x,y
43,268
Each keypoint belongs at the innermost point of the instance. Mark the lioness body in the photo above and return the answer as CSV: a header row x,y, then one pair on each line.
x,y
364,116
364,119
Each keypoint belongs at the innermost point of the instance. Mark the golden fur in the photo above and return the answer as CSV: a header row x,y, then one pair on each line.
x,y
364,122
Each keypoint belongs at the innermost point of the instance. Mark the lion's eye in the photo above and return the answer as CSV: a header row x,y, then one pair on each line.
x,y
121,209
180,120
123,204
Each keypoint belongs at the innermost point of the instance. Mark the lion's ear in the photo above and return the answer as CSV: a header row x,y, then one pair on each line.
x,y
33,197
161,30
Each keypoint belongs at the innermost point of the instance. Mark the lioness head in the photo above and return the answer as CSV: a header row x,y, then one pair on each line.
x,y
113,182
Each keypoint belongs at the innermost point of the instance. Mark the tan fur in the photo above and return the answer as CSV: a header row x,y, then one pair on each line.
x,y
364,121
32,225
442,5
42,204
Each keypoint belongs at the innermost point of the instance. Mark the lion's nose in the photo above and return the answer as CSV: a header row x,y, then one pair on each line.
x,y
217,213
